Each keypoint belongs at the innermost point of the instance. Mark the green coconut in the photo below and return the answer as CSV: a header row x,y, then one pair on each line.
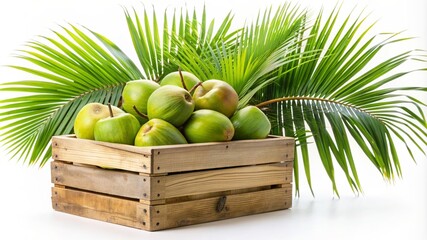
x,y
174,78
216,95
170,103
250,123
135,95
88,116
157,132
120,128
208,126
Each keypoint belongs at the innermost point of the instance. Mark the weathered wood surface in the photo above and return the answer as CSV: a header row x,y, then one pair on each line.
x,y
150,189
138,215
96,206
192,157
119,183
201,182
119,156
173,158
205,210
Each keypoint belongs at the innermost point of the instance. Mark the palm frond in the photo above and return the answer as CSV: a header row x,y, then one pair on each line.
x,y
69,72
155,51
340,94
248,62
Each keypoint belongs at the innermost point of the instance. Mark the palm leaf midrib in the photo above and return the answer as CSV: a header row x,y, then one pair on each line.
x,y
319,99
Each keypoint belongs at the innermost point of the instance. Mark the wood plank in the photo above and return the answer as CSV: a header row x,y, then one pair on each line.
x,y
154,190
96,206
119,156
119,183
142,216
226,154
218,194
201,182
173,158
204,210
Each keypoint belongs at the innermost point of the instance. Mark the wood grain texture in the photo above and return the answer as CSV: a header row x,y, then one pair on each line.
x,y
155,190
142,216
97,206
173,158
204,210
200,182
119,183
111,155
192,157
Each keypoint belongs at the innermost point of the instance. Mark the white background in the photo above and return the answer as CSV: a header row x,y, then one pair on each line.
x,y
386,210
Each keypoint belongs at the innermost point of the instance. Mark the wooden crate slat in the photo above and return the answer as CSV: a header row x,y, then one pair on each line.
x,y
191,157
173,158
201,182
147,188
143,216
204,210
97,206
119,183
119,156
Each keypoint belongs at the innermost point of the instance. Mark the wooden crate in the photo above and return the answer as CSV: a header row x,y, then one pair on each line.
x,y
154,188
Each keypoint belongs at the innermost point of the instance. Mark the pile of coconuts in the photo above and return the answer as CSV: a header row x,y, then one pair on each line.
x,y
181,109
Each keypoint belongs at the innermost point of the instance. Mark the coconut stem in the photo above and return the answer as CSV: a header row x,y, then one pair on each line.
x,y
120,104
194,87
140,113
182,78
110,109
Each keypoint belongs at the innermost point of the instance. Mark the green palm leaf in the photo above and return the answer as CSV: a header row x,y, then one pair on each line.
x,y
155,52
337,89
68,73
250,62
